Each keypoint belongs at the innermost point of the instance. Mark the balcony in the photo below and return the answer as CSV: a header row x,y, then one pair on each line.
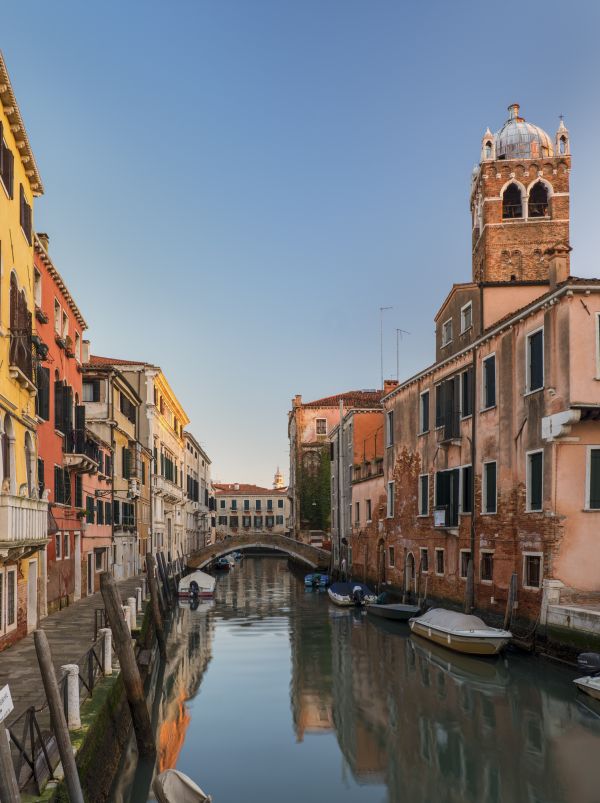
x,y
21,357
81,454
167,489
23,523
449,431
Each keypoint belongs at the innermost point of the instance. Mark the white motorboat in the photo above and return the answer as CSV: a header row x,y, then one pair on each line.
x,y
351,594
172,786
460,632
589,685
197,584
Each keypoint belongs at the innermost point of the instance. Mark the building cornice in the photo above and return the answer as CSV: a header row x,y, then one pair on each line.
x,y
59,281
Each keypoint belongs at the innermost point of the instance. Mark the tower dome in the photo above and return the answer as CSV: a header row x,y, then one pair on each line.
x,y
518,139
278,481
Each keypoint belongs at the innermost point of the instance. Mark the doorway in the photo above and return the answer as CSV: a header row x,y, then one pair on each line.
x,y
77,591
409,574
32,596
90,573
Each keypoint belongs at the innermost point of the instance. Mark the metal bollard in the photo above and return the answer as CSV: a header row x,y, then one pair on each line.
x,y
106,634
73,718
138,593
127,616
132,612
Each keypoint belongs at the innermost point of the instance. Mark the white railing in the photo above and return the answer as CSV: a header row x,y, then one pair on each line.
x,y
22,520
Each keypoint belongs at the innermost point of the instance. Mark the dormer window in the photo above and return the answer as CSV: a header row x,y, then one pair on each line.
x,y
447,332
538,200
512,204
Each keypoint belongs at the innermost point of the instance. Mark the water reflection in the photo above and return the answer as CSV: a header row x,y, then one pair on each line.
x,y
376,714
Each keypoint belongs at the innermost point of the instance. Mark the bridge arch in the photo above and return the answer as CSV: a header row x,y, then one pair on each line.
x,y
310,556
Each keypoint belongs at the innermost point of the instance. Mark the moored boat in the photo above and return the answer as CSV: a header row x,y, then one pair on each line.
x,y
460,632
172,786
222,565
197,584
397,611
589,685
316,580
589,662
348,594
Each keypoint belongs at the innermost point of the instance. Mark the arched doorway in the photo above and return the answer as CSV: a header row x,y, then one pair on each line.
x,y
409,574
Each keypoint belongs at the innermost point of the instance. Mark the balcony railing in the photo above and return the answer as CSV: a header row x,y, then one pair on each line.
x,y
21,353
23,521
450,429
81,453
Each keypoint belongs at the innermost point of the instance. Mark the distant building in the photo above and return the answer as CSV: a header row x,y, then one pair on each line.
x,y
250,509
198,490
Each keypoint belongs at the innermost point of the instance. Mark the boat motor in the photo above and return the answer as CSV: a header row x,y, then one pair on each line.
x,y
194,589
589,662
358,596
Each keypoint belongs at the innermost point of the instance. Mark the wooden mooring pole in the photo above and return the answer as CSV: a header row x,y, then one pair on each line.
x,y
57,716
155,605
9,788
129,668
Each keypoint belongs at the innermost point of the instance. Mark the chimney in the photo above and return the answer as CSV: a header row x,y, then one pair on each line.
x,y
45,240
297,400
389,385
85,351
558,258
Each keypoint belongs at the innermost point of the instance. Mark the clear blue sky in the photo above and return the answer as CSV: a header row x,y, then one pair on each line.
x,y
233,189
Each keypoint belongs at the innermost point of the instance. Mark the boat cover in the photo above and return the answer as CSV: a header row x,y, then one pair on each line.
x,y
346,589
205,581
172,786
453,620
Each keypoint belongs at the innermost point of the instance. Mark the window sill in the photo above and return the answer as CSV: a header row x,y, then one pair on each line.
x,y
468,329
486,582
532,392
439,574
444,345
534,510
426,432
422,515
590,509
8,195
466,417
491,513
532,588
487,409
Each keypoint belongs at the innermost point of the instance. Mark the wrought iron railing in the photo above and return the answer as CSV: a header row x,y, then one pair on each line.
x,y
21,351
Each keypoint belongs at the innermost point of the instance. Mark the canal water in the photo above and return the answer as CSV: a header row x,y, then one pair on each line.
x,y
273,694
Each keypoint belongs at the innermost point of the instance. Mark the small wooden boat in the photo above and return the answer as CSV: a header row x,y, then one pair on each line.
x,y
348,594
316,580
589,685
172,786
460,632
222,565
197,584
397,611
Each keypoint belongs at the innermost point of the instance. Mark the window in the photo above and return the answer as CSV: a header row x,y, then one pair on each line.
x,y
90,509
67,545
538,200
424,495
532,571
246,504
37,287
535,481
424,560
424,412
116,511
466,390
58,546
258,522
269,504
391,557
321,424
57,317
77,347
465,556
99,511
466,317
25,215
447,332
99,559
258,504
466,495
108,511
439,561
535,361
234,504
6,167
357,512
512,204
280,503
223,521
368,510
592,500
562,145
222,504
439,418
446,498
389,418
489,382
42,398
269,521
488,149
487,567
65,324
489,496
246,521
91,391
125,463
11,599
390,499
278,519
234,521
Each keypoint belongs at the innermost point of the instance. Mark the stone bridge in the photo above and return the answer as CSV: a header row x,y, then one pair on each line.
x,y
310,556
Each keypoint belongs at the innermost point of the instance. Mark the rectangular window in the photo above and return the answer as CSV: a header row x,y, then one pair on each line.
x,y
234,504
269,521
390,499
489,496
116,511
466,496
447,332
90,509
222,504
465,555
532,571
234,521
424,495
446,498
258,504
108,510
11,599
258,522
535,361
246,504
487,567
269,504
57,317
466,389
65,324
25,216
466,317
424,560
439,561
246,521
369,518
7,161
67,545
391,557
77,347
489,382
357,512
535,481
91,391
439,415
58,546
223,521
389,428
99,511
321,425
278,519
593,480
280,503
42,399
424,412
37,287
99,559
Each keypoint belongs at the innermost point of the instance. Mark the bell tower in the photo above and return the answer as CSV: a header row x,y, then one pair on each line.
x,y
519,201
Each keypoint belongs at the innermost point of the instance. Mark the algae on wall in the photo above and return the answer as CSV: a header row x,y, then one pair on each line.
x,y
314,483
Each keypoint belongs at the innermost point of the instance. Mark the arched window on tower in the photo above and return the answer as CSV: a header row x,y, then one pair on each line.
x,y
538,200
512,205
562,145
488,149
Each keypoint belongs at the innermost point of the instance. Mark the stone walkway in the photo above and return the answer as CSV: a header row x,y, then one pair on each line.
x,y
70,634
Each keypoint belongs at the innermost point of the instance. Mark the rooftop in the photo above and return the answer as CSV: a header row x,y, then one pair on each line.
x,y
228,488
352,398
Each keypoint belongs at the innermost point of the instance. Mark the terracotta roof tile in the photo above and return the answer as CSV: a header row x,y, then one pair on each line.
x,y
352,398
96,360
246,488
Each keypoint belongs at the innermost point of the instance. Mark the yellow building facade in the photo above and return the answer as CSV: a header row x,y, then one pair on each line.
x,y
23,516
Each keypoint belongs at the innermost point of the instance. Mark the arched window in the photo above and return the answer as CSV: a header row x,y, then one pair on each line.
x,y
512,205
488,150
538,200
562,145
